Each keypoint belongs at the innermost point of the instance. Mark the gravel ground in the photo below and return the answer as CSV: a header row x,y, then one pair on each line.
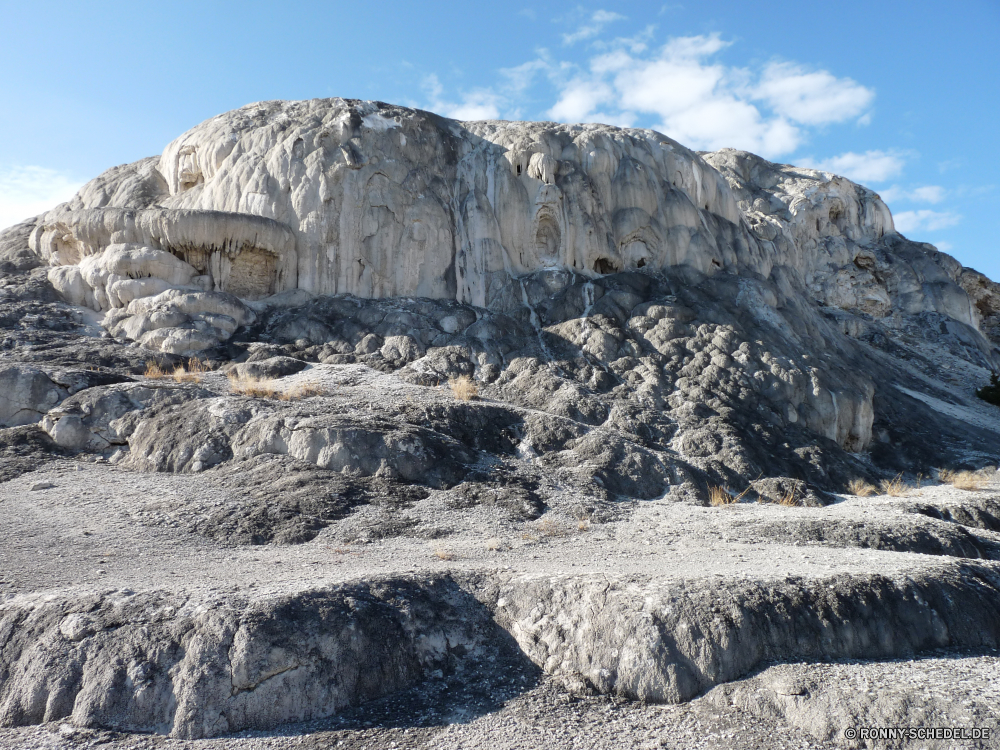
x,y
102,526
76,526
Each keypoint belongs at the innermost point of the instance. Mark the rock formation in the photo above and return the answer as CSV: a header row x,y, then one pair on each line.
x,y
641,323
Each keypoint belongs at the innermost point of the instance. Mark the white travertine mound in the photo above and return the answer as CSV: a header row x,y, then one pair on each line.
x,y
179,321
336,196
825,228
384,201
277,201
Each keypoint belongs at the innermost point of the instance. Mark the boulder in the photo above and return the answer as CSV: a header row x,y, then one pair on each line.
x,y
26,393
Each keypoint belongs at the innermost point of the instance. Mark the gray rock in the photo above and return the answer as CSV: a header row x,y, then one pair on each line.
x,y
272,367
170,665
99,417
26,393
724,326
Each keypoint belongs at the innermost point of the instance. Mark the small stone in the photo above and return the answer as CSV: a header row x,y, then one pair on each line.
x,y
42,486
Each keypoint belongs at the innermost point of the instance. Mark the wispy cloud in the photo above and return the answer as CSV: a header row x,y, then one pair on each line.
x,y
932,194
592,27
478,104
681,89
924,220
27,191
950,164
811,97
705,104
871,166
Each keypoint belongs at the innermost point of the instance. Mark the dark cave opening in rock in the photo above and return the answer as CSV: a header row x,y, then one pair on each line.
x,y
604,266
548,239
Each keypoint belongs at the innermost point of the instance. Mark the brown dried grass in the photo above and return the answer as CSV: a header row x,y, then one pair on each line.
x,y
547,527
464,388
719,496
964,480
788,499
272,388
154,371
442,554
861,488
894,487
192,373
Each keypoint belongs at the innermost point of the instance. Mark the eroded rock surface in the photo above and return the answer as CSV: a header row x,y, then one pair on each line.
x,y
416,347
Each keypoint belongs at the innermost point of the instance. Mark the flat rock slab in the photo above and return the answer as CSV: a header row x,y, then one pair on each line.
x,y
665,602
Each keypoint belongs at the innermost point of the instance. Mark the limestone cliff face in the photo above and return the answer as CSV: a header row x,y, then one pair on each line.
x,y
278,201
383,201
838,239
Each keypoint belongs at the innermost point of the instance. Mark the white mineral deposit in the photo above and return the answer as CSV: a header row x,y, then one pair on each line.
x,y
344,424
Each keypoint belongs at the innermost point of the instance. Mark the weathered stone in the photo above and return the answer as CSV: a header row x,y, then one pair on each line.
x,y
26,393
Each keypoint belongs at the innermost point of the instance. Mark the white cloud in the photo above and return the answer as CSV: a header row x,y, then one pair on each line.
x,y
523,76
598,20
871,166
944,247
924,220
926,194
705,104
30,190
684,91
811,98
479,104
950,164
580,99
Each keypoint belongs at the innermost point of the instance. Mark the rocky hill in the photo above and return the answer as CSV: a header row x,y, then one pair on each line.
x,y
357,323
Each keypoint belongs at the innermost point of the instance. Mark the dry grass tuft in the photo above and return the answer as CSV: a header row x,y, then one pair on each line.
x,y
190,374
154,371
442,554
964,480
718,496
493,544
788,499
300,391
272,388
894,487
464,388
861,488
253,387
546,527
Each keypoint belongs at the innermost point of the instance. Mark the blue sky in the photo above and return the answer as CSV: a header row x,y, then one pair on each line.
x,y
901,96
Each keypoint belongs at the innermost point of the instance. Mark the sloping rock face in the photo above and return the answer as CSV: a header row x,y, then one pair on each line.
x,y
641,324
156,663
606,275
384,201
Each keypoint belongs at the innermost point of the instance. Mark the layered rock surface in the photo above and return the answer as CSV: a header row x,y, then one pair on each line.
x,y
143,624
641,324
